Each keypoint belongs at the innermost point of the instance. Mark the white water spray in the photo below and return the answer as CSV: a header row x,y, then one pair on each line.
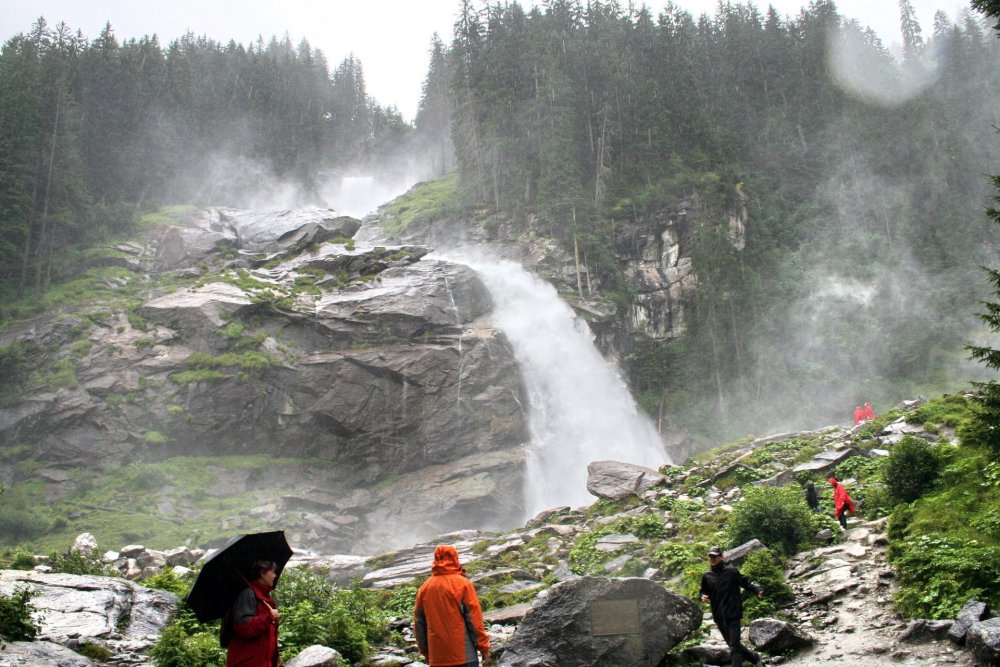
x,y
580,409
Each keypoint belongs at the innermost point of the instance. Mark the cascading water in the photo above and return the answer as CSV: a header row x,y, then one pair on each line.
x,y
580,409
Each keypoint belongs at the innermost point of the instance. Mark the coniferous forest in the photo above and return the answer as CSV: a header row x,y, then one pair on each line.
x,y
864,171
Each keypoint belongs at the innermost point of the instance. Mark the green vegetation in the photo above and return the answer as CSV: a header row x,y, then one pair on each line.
x,y
777,516
425,202
121,506
314,611
911,470
18,617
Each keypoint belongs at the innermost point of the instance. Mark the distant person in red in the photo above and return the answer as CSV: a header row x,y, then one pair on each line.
x,y
842,502
869,413
859,415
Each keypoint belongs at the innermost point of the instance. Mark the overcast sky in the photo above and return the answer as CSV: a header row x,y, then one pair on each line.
x,y
390,37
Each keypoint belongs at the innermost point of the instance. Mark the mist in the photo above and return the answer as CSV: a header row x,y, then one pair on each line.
x,y
579,406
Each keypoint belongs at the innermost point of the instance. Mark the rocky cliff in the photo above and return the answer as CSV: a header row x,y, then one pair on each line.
x,y
274,334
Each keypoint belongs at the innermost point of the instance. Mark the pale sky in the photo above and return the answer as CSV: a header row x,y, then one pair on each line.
x,y
391,37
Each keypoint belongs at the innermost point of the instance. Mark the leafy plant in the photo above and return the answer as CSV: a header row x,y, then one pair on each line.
x,y
766,569
911,469
18,617
777,516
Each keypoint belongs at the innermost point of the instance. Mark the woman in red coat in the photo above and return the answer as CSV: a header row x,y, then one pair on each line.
x,y
841,502
250,630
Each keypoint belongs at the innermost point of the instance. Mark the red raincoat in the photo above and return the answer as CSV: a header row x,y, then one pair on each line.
x,y
840,497
255,641
869,413
859,415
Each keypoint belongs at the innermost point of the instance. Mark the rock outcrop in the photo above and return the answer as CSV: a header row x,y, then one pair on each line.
x,y
600,622
272,334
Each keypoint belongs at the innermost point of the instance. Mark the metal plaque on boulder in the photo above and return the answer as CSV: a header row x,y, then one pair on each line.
x,y
615,617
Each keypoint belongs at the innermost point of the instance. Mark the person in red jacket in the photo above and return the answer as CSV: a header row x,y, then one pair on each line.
x,y
841,502
859,415
447,618
250,629
869,413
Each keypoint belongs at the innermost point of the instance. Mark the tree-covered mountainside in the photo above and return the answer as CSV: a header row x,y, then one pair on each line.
x,y
862,171
92,131
859,173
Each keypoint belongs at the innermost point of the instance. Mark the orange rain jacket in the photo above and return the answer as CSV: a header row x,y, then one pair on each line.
x,y
447,616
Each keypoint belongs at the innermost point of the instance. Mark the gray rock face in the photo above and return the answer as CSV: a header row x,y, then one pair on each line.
x,y
972,612
316,656
594,621
983,639
774,636
386,367
123,617
615,480
41,654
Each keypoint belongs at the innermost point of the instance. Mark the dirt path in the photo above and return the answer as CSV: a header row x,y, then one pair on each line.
x,y
844,599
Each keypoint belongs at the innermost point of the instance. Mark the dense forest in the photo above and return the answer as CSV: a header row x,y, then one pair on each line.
x,y
93,132
863,169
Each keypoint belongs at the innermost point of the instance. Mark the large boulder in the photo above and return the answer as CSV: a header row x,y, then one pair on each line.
x,y
615,480
316,656
41,654
121,616
774,636
983,640
971,613
600,622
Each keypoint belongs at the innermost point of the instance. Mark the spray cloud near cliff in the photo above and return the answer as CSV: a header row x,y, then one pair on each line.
x,y
580,409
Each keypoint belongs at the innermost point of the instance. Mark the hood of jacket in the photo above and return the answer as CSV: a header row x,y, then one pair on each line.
x,y
446,561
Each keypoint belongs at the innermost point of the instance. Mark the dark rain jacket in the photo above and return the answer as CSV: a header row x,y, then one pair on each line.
x,y
254,638
722,584
447,617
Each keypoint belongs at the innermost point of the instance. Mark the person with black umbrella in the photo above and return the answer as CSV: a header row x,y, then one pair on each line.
x,y
235,584
250,629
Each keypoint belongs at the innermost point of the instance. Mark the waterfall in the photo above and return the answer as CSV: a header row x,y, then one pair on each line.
x,y
579,408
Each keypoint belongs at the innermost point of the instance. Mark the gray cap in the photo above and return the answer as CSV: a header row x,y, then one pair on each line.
x,y
715,551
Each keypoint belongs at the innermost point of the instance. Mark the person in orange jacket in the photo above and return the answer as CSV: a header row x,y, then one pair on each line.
x,y
447,617
869,413
842,503
859,415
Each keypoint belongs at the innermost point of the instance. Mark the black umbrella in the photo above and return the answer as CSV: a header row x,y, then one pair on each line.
x,y
227,572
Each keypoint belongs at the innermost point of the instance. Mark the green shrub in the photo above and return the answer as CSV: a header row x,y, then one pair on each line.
x,y
74,562
185,642
21,524
938,574
911,469
22,561
315,611
777,516
18,617
766,569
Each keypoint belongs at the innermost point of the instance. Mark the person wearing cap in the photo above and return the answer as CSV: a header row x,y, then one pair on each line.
x,y
721,588
447,617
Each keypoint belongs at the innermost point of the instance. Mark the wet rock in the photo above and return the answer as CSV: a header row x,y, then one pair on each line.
x,y
922,630
316,656
973,612
615,480
983,640
571,625
774,636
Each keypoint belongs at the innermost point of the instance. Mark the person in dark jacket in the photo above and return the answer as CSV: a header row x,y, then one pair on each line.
x,y
721,587
250,629
812,498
